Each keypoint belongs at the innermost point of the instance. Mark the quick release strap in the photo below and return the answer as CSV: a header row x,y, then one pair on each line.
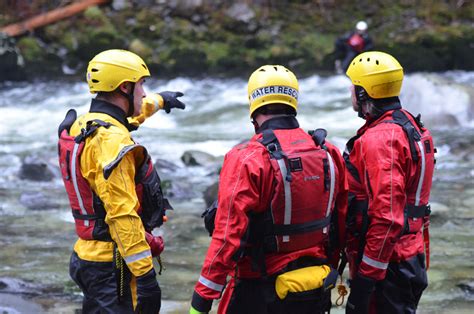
x,y
281,230
270,141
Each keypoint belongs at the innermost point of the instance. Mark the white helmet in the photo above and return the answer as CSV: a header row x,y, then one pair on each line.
x,y
361,26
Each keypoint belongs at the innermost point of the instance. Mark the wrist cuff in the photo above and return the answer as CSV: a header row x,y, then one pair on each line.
x,y
201,304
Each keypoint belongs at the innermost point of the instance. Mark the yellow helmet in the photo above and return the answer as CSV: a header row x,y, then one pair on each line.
x,y
272,84
110,68
378,73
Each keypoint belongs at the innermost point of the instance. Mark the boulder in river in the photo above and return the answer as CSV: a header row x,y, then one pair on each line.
x,y
198,158
35,169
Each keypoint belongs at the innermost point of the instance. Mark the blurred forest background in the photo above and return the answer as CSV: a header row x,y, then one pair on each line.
x,y
229,38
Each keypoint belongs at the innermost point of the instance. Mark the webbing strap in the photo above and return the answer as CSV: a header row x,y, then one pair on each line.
x,y
77,215
270,141
331,186
422,173
414,211
302,227
75,184
412,133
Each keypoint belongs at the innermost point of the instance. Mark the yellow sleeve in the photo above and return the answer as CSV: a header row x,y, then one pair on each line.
x,y
118,194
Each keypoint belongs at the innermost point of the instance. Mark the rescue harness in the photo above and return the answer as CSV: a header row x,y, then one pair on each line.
x,y
422,152
87,208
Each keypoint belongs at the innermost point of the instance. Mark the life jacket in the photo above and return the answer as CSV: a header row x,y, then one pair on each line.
x,y
417,209
356,42
87,208
305,185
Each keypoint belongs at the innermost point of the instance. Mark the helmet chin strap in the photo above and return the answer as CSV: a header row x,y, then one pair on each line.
x,y
130,97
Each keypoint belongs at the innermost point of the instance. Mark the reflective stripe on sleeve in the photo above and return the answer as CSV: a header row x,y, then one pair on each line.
x,y
332,186
374,263
286,184
422,173
74,183
210,284
138,256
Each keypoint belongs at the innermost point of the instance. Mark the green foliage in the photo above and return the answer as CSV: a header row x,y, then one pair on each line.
x,y
299,34
30,49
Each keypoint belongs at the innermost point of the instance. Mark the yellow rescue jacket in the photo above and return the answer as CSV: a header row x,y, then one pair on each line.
x,y
117,192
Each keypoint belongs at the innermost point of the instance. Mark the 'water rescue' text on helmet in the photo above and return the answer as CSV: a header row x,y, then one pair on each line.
x,y
110,68
272,84
378,73
361,26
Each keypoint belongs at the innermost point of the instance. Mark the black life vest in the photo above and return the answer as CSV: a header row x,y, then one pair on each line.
x,y
87,208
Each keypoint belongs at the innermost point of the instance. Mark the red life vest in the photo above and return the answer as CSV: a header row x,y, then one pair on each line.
x,y
356,42
418,188
87,208
305,189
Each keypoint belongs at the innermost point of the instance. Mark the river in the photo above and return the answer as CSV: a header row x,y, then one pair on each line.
x,y
36,243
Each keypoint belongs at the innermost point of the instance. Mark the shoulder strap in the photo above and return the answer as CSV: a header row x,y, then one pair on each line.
x,y
90,129
319,137
400,118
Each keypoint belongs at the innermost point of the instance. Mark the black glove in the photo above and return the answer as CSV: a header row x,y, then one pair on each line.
x,y
148,294
359,298
171,101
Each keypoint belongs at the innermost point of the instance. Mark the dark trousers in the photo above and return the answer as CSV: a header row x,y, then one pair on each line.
x,y
98,283
259,297
401,290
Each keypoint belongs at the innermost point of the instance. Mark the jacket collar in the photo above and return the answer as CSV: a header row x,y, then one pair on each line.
x,y
102,106
278,123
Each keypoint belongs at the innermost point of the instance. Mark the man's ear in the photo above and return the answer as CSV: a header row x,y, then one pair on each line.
x,y
125,87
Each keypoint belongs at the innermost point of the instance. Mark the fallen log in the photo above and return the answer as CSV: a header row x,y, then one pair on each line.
x,y
47,18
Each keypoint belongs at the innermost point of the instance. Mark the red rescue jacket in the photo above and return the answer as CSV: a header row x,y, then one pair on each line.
x,y
278,194
390,164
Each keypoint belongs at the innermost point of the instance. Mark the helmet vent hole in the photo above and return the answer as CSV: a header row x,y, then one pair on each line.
x,y
353,63
377,62
368,59
144,67
276,69
95,81
262,70
360,60
94,70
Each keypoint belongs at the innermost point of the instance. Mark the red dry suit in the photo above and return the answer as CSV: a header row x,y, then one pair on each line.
x,y
390,165
255,187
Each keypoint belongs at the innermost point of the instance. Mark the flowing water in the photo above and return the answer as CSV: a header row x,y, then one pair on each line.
x,y
36,244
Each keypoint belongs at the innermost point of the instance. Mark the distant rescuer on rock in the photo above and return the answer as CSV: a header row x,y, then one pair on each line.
x,y
390,164
113,188
350,45
281,210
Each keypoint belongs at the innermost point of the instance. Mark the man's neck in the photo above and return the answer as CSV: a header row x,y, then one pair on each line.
x,y
116,100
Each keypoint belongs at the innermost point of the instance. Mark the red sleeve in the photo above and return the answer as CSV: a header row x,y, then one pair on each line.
x,y
340,207
383,155
245,184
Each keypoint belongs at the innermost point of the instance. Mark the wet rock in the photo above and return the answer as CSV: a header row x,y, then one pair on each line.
x,y
467,287
210,194
14,285
35,169
241,12
197,158
178,190
37,201
163,165
11,60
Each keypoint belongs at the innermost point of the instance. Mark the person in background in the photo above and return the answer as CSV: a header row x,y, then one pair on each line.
x,y
390,164
281,208
113,188
350,45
